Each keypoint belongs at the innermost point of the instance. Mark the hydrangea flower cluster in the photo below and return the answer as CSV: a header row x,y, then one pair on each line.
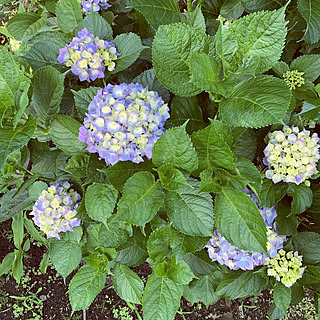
x,y
285,267
123,123
219,249
55,209
88,56
293,79
291,155
94,5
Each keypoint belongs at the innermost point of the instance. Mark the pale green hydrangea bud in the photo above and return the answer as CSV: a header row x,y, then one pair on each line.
x,y
286,267
293,78
14,45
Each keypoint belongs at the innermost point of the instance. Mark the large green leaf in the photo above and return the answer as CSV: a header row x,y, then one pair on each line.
x,y
64,132
260,37
142,198
69,15
244,142
256,102
212,145
161,298
65,256
231,9
82,99
85,286
129,46
308,64
190,211
172,48
160,12
308,245
175,147
25,24
12,139
311,110
302,197
127,284
271,193
238,219
282,296
310,10
100,200
48,88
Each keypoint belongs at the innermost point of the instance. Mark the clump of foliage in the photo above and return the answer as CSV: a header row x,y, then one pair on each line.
x,y
194,137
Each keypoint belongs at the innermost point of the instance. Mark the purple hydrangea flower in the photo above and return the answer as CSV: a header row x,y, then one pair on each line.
x,y
94,5
55,209
219,249
88,56
291,155
123,123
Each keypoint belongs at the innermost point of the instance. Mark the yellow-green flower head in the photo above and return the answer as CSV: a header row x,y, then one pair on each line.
x,y
293,79
55,210
14,45
291,155
286,267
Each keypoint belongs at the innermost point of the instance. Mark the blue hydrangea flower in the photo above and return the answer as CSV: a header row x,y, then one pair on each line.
x,y
88,56
291,155
222,251
123,123
55,210
94,5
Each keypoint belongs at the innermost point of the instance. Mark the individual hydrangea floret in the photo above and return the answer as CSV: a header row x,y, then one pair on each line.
x,y
285,267
88,6
88,56
123,123
291,155
219,249
55,210
293,79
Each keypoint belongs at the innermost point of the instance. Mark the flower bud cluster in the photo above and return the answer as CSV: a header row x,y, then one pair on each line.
x,y
88,56
55,209
285,267
123,123
94,5
291,155
293,79
219,249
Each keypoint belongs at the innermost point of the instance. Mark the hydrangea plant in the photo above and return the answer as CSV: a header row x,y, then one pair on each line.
x,y
88,6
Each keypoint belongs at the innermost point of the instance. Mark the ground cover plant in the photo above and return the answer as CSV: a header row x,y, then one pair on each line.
x,y
184,135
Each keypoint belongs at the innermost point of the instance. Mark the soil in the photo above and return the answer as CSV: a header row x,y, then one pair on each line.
x,y
50,299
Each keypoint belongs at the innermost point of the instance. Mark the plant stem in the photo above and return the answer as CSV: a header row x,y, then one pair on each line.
x,y
132,307
189,5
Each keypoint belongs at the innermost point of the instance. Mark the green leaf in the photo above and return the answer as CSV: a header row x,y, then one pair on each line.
x,y
32,230
129,46
83,98
18,229
309,64
172,48
64,133
68,14
96,25
197,20
78,165
178,271
17,266
308,245
239,284
231,9
65,256
275,313
175,147
159,13
171,179
148,79
100,200
271,193
161,298
248,171
12,139
48,88
238,219
315,207
256,102
311,277
7,263
85,286
127,284
190,211
311,110
244,142
261,37
282,296
280,68
213,146
310,10
183,109
25,24
142,198
302,197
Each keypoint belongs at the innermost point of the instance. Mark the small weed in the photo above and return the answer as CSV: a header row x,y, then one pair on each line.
x,y
122,313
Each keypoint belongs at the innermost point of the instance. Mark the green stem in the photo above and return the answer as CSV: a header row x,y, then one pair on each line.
x,y
132,307
189,5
